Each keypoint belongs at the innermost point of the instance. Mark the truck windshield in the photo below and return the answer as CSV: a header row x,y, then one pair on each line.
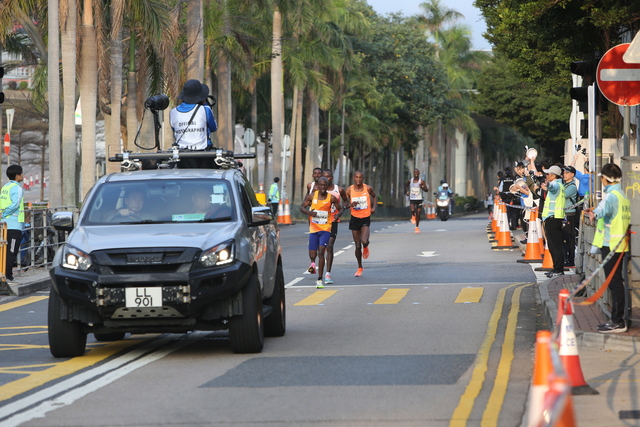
x,y
161,201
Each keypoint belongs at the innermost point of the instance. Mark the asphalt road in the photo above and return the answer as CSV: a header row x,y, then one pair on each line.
x,y
438,331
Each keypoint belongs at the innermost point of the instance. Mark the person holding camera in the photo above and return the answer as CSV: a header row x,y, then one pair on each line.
x,y
192,122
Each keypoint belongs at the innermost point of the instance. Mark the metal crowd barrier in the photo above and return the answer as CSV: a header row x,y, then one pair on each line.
x,y
39,239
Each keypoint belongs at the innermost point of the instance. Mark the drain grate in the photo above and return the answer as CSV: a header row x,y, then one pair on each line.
x,y
629,415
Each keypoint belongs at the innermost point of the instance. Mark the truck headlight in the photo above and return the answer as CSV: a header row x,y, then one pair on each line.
x,y
75,259
218,255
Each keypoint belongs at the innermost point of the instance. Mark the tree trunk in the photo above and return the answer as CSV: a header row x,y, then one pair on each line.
x,y
88,94
69,144
132,114
276,96
254,126
195,39
53,84
115,139
301,189
225,122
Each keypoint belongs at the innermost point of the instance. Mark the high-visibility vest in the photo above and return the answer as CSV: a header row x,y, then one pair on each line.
x,y
5,200
557,205
617,228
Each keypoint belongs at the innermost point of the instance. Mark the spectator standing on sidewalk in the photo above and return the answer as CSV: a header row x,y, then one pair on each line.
x,y
552,217
274,196
488,203
612,217
569,227
12,206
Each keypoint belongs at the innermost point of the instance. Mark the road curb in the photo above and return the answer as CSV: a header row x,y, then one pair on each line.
x,y
585,339
31,287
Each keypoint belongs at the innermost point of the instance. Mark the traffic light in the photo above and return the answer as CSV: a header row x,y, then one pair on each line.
x,y
587,70
1,93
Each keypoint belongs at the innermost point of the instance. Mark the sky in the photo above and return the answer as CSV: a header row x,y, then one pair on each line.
x,y
472,16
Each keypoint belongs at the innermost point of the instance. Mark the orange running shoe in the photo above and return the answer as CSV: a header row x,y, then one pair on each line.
x,y
413,219
358,272
365,252
417,230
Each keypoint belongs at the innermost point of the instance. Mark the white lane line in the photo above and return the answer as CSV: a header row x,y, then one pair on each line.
x,y
347,247
294,281
69,391
338,253
383,285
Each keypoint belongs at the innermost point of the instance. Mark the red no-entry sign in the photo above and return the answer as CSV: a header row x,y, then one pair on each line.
x,y
619,81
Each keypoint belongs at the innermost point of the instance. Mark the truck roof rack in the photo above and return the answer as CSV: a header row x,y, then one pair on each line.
x,y
169,159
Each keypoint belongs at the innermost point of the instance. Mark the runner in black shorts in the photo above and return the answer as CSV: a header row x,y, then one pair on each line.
x,y
363,200
414,188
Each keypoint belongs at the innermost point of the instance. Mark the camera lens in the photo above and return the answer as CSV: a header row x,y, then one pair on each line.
x,y
157,102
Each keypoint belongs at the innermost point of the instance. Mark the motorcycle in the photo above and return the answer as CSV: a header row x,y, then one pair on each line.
x,y
443,201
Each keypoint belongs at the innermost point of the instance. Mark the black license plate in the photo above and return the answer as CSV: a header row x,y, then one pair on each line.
x,y
144,258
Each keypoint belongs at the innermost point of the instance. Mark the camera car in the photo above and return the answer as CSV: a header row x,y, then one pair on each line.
x,y
168,250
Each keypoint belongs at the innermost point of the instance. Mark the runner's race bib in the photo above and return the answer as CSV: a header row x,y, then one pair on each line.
x,y
415,193
361,203
320,218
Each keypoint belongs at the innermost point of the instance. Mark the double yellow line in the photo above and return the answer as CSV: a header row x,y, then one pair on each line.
x,y
491,413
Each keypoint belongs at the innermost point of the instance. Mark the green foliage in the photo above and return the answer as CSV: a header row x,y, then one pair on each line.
x,y
540,115
543,37
401,62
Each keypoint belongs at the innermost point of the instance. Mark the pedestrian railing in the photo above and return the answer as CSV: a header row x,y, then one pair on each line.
x,y
39,239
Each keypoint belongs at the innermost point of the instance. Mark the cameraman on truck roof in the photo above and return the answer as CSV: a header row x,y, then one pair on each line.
x,y
192,122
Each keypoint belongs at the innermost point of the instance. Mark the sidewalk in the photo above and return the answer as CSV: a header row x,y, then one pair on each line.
x,y
30,281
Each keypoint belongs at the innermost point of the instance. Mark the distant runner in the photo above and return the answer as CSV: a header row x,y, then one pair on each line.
x,y
362,200
414,189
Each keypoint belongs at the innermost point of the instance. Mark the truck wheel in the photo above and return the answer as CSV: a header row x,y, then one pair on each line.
x,y
66,338
113,336
275,324
246,332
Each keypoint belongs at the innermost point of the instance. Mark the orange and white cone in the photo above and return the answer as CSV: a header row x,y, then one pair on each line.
x,y
504,235
547,261
542,368
558,405
280,213
569,347
286,218
532,252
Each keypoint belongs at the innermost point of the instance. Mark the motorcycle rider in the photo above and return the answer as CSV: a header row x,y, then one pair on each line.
x,y
445,187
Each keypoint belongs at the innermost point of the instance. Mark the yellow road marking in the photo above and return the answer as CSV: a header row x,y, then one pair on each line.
x,y
20,303
4,347
23,327
36,379
462,412
22,333
316,298
496,399
469,295
392,296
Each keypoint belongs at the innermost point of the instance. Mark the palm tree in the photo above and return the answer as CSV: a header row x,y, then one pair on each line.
x,y
88,93
68,23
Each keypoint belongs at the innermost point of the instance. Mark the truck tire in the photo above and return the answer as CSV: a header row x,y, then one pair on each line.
x,y
66,338
275,324
246,332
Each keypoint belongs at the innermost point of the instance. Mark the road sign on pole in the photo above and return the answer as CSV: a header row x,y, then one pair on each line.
x,y
619,81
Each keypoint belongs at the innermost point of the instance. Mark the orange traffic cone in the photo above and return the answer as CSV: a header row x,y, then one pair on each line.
x,y
280,213
532,252
569,347
496,213
547,262
542,368
504,234
286,218
558,404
